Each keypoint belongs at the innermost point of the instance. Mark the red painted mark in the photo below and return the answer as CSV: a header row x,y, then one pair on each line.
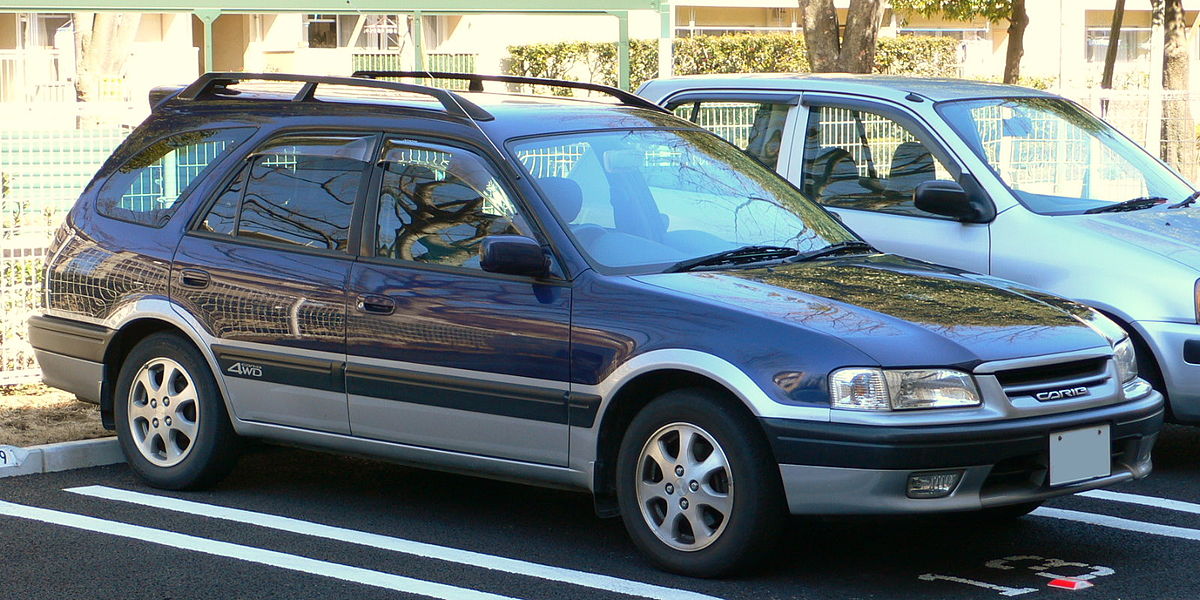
x,y
1070,584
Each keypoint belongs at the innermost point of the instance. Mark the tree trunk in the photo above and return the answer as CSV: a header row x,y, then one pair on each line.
x,y
821,35
82,24
1016,42
862,30
1178,131
102,42
1114,37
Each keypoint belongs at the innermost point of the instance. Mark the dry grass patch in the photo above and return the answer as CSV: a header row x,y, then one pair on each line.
x,y
36,414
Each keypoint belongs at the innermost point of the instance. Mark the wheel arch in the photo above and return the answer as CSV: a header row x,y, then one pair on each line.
x,y
627,399
1143,349
135,328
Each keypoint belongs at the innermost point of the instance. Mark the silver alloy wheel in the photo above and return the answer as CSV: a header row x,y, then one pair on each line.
x,y
684,486
164,412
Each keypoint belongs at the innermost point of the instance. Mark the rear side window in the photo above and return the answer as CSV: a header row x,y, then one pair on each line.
x,y
148,187
295,191
755,127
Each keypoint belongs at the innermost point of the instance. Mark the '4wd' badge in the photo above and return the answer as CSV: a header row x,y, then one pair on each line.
x,y
245,370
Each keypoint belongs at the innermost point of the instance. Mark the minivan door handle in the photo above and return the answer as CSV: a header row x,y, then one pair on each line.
x,y
194,278
376,304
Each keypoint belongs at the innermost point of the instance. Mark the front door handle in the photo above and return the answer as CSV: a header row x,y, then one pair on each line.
x,y
194,278
376,304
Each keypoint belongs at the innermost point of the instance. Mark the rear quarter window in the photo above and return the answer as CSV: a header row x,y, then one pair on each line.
x,y
148,187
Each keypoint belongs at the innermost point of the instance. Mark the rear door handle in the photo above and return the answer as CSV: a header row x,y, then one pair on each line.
x,y
194,278
376,304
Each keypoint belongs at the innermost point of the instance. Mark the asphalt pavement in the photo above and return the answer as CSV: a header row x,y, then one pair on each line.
x,y
292,523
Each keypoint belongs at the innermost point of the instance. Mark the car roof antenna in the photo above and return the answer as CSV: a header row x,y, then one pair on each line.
x,y
503,157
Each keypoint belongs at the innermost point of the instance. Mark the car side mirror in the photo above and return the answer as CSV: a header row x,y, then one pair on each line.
x,y
949,199
513,255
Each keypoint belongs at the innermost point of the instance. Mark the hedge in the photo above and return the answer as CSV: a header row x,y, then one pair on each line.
x,y
737,53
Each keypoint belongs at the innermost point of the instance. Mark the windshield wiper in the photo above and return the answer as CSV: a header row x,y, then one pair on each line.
x,y
1128,205
745,254
1190,200
847,247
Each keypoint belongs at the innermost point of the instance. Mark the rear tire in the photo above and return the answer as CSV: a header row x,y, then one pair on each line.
x,y
698,486
171,420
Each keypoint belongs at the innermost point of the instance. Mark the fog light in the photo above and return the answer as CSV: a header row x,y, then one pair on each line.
x,y
935,484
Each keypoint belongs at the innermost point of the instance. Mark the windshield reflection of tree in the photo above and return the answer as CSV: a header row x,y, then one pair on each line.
x,y
938,302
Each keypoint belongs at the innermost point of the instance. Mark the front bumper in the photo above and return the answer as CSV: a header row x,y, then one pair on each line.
x,y
1176,348
830,468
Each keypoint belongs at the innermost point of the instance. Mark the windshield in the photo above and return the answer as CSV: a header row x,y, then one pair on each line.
x,y
644,197
1056,157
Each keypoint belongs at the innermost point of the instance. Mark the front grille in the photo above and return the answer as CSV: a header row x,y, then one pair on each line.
x,y
1030,381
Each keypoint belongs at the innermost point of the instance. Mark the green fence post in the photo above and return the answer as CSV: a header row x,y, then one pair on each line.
x,y
418,42
207,16
666,35
622,49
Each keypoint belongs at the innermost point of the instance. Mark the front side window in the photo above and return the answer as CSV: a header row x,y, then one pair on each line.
x,y
643,199
755,127
1056,157
437,203
859,159
295,191
148,187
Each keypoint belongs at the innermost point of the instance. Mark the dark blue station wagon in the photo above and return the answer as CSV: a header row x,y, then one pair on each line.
x,y
566,292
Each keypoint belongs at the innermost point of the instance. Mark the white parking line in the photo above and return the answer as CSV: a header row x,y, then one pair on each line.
x,y
1176,505
383,542
270,558
1119,523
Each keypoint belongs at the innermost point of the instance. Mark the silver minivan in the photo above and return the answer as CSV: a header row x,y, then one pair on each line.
x,y
1001,180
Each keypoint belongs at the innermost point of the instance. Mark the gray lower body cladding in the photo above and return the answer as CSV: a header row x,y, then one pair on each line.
x,y
862,469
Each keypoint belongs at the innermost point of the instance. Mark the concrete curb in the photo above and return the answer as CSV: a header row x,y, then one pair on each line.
x,y
49,458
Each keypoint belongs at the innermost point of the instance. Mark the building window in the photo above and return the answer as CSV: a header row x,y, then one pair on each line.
x,y
1133,44
321,31
383,32
45,30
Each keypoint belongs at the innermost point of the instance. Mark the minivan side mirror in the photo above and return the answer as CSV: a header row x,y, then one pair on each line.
x,y
949,199
513,255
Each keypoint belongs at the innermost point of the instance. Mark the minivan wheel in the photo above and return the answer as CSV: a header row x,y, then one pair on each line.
x,y
698,486
171,421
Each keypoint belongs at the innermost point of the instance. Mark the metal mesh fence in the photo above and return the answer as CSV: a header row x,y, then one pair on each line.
x,y
1164,122
41,174
396,61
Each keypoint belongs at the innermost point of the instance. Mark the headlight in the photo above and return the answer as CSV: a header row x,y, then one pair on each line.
x,y
901,389
1126,360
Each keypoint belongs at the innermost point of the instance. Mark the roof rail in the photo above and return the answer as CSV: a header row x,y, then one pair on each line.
x,y
216,82
477,80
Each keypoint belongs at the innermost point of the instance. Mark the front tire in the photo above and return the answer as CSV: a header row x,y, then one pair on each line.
x,y
171,421
697,485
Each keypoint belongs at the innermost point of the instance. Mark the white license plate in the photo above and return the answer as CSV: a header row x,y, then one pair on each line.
x,y
1080,454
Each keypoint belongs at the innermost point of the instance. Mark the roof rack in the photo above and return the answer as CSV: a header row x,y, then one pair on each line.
x,y
476,84
215,83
